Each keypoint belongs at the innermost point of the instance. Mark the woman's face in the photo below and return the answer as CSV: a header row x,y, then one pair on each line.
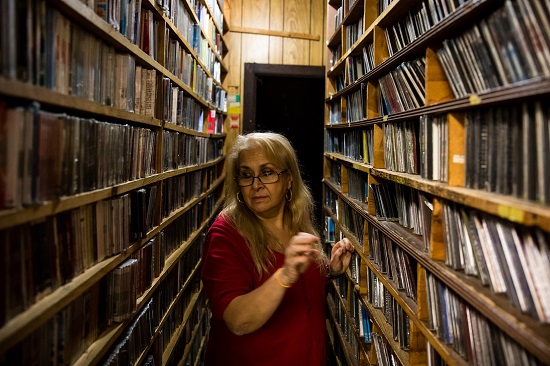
x,y
265,200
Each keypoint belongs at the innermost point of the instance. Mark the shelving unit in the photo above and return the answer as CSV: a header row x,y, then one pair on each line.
x,y
94,192
412,218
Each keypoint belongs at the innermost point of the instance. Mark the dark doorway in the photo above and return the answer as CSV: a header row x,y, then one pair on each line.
x,y
290,100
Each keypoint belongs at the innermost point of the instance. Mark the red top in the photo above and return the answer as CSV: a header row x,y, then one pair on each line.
x,y
294,335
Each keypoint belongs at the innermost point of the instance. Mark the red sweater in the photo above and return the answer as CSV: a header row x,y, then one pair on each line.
x,y
294,335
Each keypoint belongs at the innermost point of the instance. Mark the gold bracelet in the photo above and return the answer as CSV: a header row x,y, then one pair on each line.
x,y
276,275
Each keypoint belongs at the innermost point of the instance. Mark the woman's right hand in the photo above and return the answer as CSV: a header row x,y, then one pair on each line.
x,y
299,254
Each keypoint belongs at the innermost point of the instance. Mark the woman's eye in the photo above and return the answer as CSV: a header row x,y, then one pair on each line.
x,y
267,173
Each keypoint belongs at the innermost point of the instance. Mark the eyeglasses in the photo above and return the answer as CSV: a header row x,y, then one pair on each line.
x,y
266,177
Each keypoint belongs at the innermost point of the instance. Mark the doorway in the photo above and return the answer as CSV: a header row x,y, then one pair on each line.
x,y
290,100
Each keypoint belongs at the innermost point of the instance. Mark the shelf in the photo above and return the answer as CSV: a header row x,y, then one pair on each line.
x,y
497,308
49,64
23,324
349,358
13,217
507,207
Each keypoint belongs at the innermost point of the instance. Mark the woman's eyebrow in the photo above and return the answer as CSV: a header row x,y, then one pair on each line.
x,y
266,165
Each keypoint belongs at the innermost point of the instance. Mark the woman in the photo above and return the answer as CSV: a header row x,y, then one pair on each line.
x,y
264,270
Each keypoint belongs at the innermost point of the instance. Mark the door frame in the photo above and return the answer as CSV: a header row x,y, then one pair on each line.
x,y
251,73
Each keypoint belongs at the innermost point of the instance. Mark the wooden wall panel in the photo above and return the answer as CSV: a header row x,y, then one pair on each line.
x,y
233,59
258,52
297,16
276,16
296,19
255,14
296,52
317,49
236,12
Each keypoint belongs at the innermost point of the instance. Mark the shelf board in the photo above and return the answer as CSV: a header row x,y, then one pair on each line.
x,y
25,323
530,333
178,332
18,216
21,90
507,207
196,333
342,339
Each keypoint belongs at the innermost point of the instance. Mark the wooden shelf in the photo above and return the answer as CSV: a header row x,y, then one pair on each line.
x,y
50,306
517,210
496,307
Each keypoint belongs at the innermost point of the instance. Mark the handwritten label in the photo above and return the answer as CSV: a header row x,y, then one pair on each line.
x,y
511,213
458,159
475,99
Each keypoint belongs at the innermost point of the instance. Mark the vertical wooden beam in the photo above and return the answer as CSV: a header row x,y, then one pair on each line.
x,y
457,149
437,86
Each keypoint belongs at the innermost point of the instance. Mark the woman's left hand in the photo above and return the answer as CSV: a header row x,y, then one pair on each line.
x,y
340,256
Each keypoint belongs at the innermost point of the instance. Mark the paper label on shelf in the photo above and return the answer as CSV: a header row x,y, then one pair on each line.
x,y
511,213
475,99
458,159
234,121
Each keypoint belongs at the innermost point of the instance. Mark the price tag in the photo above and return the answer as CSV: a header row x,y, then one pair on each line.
x,y
458,159
475,99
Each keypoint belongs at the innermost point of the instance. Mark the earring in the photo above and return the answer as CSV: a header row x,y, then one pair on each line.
x,y
288,195
241,200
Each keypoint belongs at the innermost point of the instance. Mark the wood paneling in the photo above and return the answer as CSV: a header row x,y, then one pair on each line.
x,y
296,52
255,14
317,49
276,16
292,16
236,13
233,59
259,52
296,19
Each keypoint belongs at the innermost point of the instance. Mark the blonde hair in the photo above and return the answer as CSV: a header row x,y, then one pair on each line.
x,y
298,211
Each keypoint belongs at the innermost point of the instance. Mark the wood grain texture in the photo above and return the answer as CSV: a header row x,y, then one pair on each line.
x,y
255,14
234,41
295,52
233,59
370,12
255,48
275,33
457,149
379,160
317,49
276,16
236,13
372,100
296,19
344,181
437,86
381,52
417,346
293,18
437,236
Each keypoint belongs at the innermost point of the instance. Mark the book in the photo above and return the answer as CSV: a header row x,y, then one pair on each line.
x,y
542,133
149,92
211,123
11,155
